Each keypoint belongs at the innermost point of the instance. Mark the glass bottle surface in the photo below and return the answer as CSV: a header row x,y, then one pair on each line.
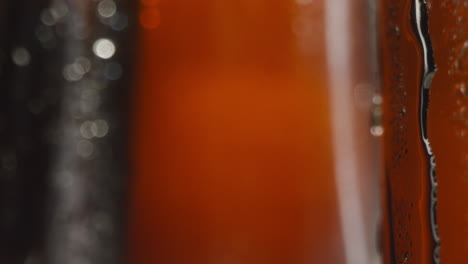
x,y
251,137
427,222
406,162
448,125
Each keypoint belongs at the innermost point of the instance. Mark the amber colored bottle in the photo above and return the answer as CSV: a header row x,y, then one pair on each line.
x,y
415,236
251,134
406,167
448,125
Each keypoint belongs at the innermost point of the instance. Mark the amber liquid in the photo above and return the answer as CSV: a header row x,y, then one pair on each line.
x,y
233,157
405,160
448,125
409,228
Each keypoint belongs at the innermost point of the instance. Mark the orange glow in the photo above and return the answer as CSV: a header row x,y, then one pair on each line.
x,y
149,2
232,151
150,18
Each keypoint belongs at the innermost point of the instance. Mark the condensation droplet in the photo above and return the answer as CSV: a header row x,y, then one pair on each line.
x,y
48,18
86,129
101,128
405,257
44,34
85,148
52,15
462,111
91,129
377,99
104,48
461,87
397,31
377,131
107,8
21,56
84,63
73,72
60,9
462,132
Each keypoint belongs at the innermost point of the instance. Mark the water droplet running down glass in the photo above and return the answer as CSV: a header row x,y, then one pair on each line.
x,y
407,68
